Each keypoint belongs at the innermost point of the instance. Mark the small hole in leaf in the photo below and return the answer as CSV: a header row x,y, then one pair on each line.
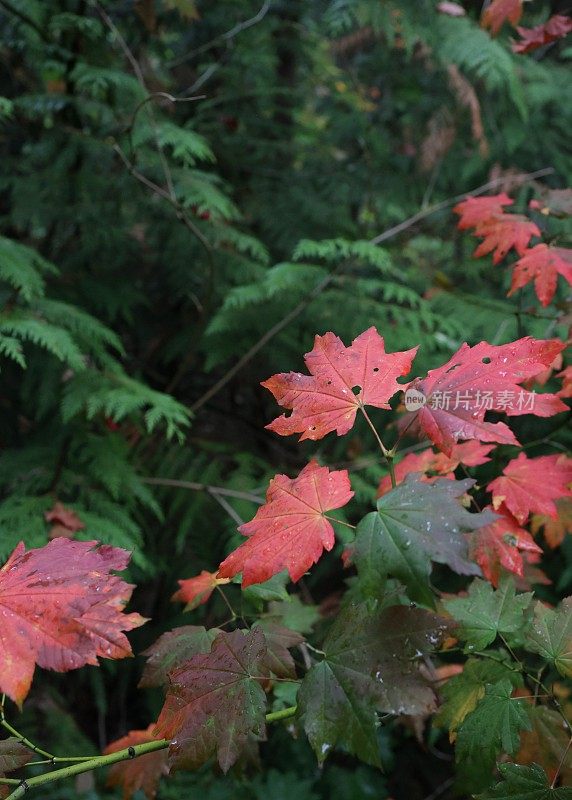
x,y
329,383
376,369
356,389
486,360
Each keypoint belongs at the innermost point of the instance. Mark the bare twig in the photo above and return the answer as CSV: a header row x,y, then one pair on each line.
x,y
382,237
227,506
225,37
204,487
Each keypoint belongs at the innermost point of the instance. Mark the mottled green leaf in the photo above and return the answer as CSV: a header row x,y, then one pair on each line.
x,y
487,612
461,693
525,783
491,728
551,635
416,523
370,666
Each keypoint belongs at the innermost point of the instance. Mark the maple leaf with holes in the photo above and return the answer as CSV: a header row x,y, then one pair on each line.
x,y
66,522
472,454
215,703
478,379
532,485
555,530
501,544
500,11
342,380
504,232
142,773
476,210
531,39
542,264
290,531
196,591
60,608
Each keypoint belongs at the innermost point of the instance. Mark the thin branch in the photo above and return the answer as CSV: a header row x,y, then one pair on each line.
x,y
451,201
227,507
204,487
126,754
382,237
225,37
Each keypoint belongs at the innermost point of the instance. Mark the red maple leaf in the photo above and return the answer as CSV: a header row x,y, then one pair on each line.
x,y
499,12
472,454
479,379
502,232
476,210
290,531
542,264
501,544
342,380
531,39
532,484
66,521
566,376
61,609
196,591
141,773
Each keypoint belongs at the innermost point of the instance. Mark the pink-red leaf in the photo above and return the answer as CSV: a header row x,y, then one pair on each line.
x,y
531,39
476,210
472,454
341,381
60,608
196,591
532,484
500,544
141,773
215,703
479,379
290,531
500,11
542,264
504,232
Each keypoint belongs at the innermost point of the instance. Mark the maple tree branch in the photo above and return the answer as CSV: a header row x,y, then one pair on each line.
x,y
126,754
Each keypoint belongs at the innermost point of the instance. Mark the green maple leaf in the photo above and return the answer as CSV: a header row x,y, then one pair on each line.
x,y
491,728
462,693
551,635
370,666
525,783
485,613
215,704
416,523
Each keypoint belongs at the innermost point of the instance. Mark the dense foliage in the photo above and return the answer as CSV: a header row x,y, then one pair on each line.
x,y
189,193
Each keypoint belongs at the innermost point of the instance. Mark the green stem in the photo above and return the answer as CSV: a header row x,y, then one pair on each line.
x,y
113,758
387,454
